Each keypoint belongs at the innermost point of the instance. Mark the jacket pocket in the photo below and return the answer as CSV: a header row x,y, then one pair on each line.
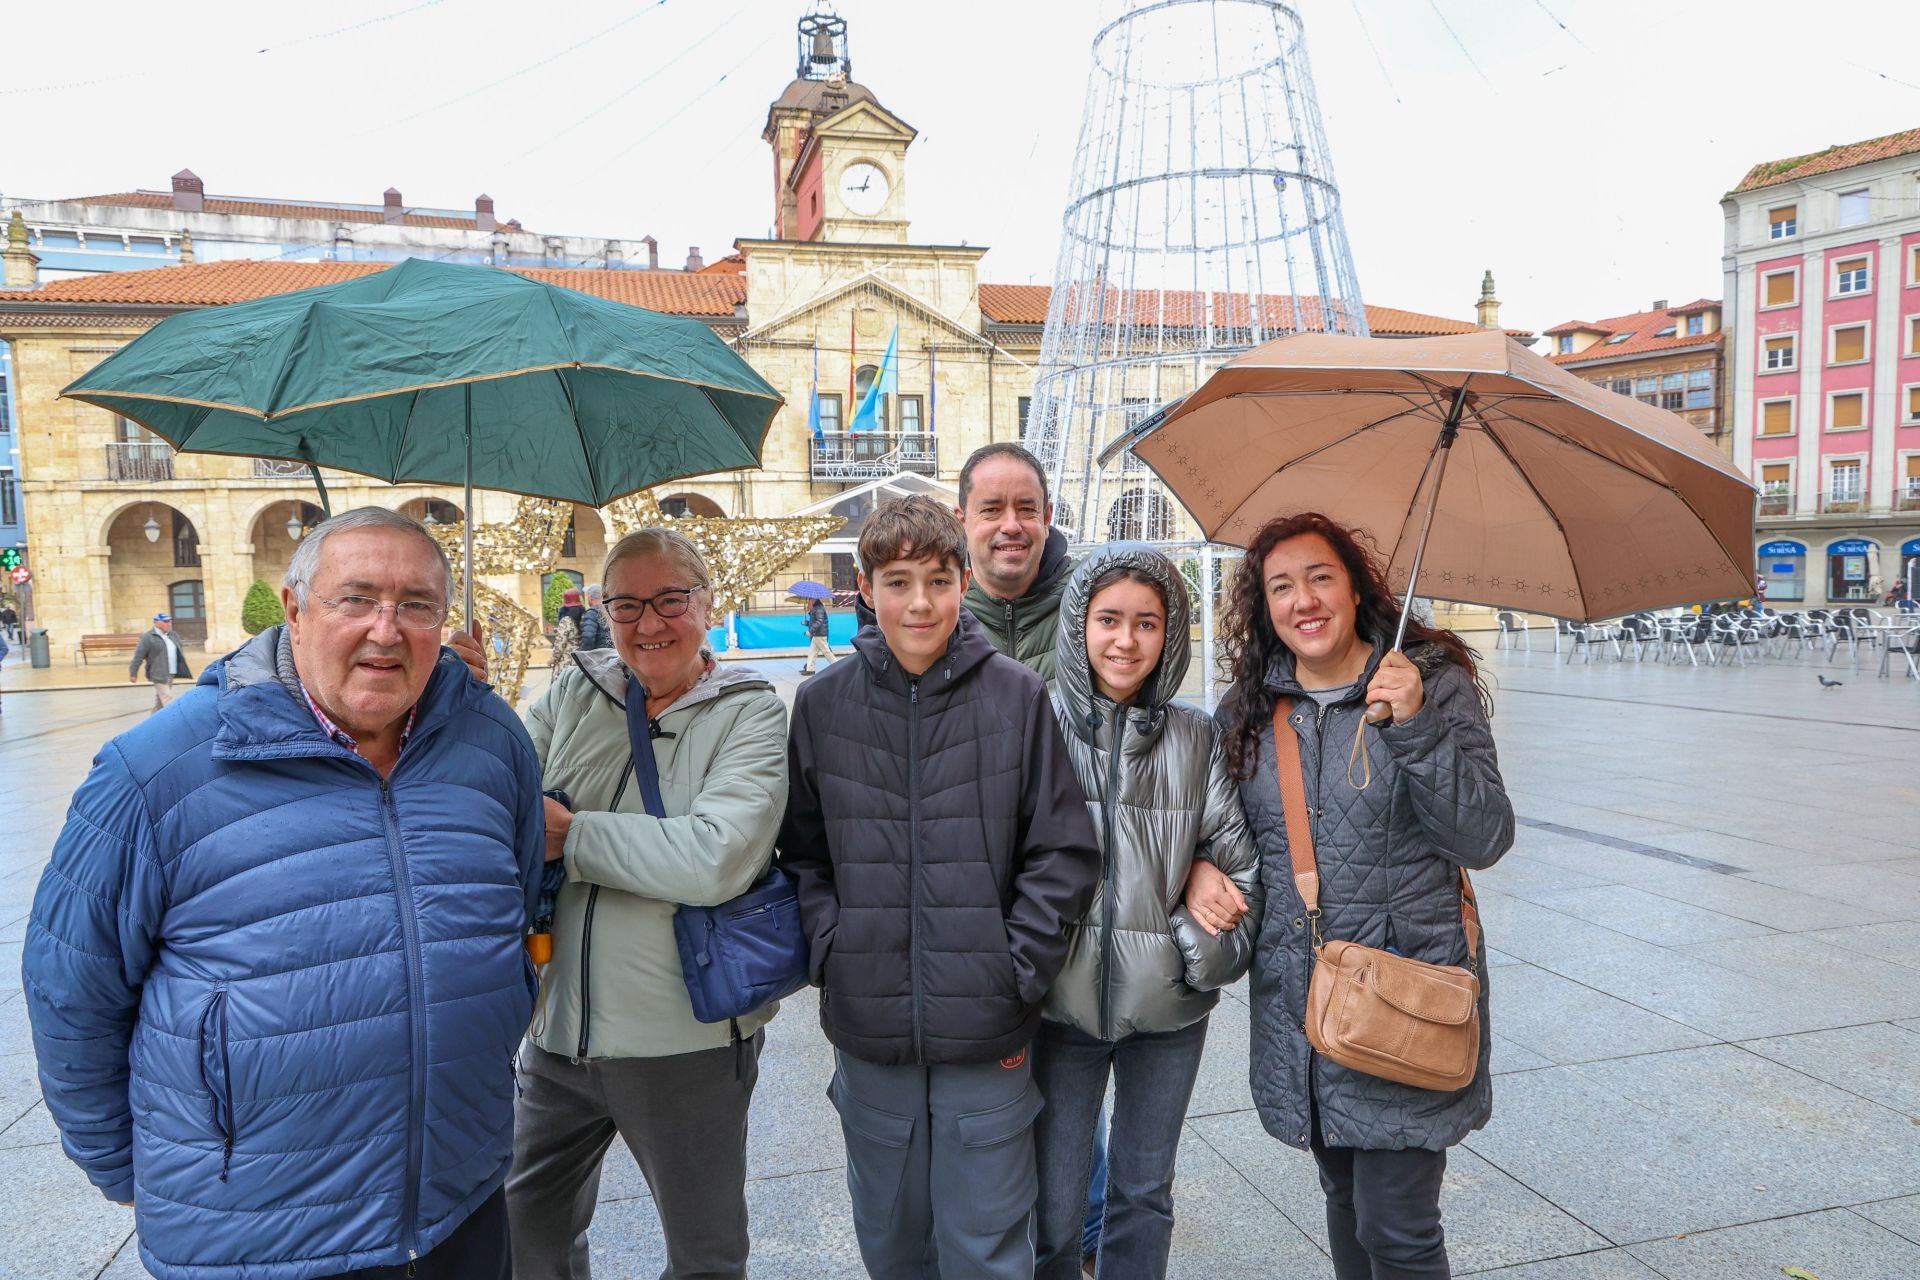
x,y
215,1075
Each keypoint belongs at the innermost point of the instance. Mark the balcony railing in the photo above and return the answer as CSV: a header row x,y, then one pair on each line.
x,y
872,455
280,469
139,461
1843,502
1907,499
1776,502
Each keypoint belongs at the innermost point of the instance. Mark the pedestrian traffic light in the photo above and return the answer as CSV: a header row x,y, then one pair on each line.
x,y
10,558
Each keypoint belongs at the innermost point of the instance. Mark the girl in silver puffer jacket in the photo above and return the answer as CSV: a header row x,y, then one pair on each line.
x,y
1142,976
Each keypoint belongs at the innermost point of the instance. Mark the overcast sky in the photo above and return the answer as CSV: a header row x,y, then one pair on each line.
x,y
1576,147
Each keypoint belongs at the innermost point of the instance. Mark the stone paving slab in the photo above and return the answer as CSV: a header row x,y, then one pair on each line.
x,y
1647,916
1491,1219
1604,1264
1879,1061
1651,1146
1563,1022
1902,1216
56,1226
1835,1245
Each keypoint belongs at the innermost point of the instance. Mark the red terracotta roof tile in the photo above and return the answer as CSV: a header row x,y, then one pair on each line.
x,y
1028,303
1637,334
1696,306
216,283
1831,160
1576,326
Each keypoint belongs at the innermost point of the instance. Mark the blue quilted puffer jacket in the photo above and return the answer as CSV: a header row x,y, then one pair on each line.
x,y
275,999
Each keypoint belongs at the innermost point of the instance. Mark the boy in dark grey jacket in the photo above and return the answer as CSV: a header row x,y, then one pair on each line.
x,y
941,844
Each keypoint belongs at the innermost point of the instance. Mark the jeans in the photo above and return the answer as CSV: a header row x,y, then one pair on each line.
x,y
1153,1075
1383,1211
1096,1187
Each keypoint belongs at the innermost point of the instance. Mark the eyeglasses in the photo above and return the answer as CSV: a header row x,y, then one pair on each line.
x,y
415,615
670,603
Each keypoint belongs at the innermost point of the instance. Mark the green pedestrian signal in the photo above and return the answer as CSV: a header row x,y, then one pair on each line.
x,y
10,558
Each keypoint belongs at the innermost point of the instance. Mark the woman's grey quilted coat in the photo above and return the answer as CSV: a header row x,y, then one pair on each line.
x,y
1136,962
1389,859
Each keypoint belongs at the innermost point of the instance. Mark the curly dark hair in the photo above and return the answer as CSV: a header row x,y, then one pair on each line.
x,y
1251,644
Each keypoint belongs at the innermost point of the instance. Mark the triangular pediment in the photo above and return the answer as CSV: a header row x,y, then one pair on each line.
x,y
871,287
865,120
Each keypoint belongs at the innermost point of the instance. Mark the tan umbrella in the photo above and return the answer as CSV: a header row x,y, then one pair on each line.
x,y
1522,486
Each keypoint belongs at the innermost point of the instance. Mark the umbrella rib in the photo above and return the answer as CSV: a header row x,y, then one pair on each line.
x,y
586,454
1335,444
406,430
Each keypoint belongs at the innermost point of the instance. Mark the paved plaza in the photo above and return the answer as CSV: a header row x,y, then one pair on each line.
x,y
1705,1005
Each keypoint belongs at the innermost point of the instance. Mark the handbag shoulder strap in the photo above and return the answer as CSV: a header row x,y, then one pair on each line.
x,y
640,736
1306,870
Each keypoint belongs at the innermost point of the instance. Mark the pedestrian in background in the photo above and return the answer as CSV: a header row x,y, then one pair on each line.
x,y
159,654
1140,980
594,633
615,1048
1396,813
818,650
566,628
940,845
10,622
297,900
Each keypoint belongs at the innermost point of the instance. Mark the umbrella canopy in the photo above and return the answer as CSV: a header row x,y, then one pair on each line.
x,y
434,373
1554,495
807,589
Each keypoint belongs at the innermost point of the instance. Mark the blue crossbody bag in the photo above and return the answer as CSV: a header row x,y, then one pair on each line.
x,y
749,950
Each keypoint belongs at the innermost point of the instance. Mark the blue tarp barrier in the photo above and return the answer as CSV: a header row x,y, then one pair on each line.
x,y
789,631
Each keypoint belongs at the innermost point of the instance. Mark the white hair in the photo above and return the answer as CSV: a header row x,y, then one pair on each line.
x,y
306,556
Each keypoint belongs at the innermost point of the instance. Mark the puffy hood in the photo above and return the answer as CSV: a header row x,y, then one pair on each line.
x,y
1073,675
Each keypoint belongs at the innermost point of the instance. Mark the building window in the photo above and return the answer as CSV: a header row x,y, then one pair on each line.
x,y
1647,389
1913,266
845,572
569,542
1850,276
1619,338
1913,335
1844,481
1849,344
862,383
6,410
1566,344
1140,515
1783,222
830,413
1910,482
1776,479
9,500
1700,389
1779,352
186,543
1776,417
1621,386
1780,288
1847,411
1026,411
1913,404
1696,325
1667,332
1853,207
911,423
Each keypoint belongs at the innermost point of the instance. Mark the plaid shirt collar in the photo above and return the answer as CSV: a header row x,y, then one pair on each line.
x,y
340,736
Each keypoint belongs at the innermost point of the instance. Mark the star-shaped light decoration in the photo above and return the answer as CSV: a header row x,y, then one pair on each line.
x,y
740,553
529,542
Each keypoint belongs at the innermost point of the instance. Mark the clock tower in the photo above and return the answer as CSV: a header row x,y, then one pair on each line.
x,y
839,157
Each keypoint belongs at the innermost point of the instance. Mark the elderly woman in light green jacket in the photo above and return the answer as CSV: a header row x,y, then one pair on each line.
x,y
615,1047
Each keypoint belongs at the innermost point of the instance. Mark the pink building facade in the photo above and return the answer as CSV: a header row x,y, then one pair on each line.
x,y
1822,268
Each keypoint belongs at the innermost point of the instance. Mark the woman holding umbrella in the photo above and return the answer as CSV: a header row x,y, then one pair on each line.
x,y
1395,814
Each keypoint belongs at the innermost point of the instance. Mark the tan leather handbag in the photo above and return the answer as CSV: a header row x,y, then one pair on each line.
x,y
1368,1009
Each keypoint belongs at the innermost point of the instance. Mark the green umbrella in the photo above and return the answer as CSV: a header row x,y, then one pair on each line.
x,y
432,373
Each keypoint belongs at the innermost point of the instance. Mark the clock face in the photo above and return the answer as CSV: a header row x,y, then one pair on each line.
x,y
863,188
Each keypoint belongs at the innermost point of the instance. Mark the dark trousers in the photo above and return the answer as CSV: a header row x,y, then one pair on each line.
x,y
940,1167
684,1117
1153,1075
477,1250
1383,1211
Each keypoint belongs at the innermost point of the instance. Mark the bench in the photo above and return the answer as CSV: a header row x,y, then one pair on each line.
x,y
114,642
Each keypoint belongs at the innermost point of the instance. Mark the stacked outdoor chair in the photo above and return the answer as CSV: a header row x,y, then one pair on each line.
x,y
1514,632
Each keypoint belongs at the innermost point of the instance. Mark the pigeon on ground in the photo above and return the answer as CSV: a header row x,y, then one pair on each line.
x,y
1826,683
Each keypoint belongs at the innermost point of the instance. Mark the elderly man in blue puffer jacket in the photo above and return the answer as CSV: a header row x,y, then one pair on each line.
x,y
275,967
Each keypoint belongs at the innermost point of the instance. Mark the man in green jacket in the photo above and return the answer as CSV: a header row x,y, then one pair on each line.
x,y
1019,560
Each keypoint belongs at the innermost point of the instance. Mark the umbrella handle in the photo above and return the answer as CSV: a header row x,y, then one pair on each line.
x,y
1379,712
